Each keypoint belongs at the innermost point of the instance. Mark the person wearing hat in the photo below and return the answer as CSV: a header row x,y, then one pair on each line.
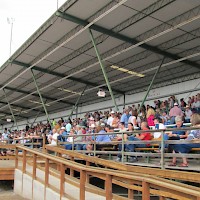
x,y
175,111
62,134
110,119
188,114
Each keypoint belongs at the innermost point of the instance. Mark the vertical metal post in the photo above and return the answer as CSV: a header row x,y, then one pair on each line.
x,y
103,70
75,106
10,109
43,104
122,151
162,162
124,100
149,88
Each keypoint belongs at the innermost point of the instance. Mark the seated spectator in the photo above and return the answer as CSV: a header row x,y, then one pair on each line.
x,y
143,136
53,138
188,114
125,117
186,148
133,118
158,125
79,138
196,105
111,118
62,134
150,117
165,118
115,122
68,126
70,139
119,138
101,137
175,111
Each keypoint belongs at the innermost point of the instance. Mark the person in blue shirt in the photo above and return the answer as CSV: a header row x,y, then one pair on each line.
x,y
101,137
125,117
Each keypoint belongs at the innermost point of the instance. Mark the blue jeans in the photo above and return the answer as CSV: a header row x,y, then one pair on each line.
x,y
120,148
79,147
172,120
131,147
68,146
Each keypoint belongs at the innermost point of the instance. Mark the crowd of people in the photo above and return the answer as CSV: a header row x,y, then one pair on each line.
x,y
158,116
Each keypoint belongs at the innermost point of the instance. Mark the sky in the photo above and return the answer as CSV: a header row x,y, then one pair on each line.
x,y
28,16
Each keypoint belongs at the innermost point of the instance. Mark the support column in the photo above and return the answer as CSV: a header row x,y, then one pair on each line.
x,y
124,100
103,70
75,105
43,104
150,86
10,109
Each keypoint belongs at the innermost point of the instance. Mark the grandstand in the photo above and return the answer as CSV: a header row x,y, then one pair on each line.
x,y
136,55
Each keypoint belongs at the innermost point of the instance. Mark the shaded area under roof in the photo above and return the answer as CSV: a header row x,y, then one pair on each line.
x,y
131,35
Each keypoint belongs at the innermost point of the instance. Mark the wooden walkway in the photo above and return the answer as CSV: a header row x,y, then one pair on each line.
x,y
7,168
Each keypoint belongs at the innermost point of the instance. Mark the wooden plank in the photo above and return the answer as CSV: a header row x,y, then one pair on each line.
x,y
24,161
87,176
82,184
34,166
145,191
108,187
62,180
172,174
46,172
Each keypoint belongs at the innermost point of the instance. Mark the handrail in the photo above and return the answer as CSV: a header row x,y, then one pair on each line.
x,y
162,143
172,174
147,182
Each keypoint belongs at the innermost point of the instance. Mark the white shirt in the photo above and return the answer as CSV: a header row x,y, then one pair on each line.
x,y
157,135
196,104
55,136
188,114
110,120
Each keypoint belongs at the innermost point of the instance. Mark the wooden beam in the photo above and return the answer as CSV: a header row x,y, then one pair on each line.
x,y
82,184
145,191
108,187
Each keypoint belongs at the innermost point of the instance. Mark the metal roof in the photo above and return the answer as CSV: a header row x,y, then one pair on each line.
x,y
134,35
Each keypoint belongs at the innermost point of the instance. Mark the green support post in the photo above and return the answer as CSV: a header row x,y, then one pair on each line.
x,y
43,104
10,109
149,88
103,70
74,107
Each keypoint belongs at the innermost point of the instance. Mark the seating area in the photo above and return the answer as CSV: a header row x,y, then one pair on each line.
x,y
128,137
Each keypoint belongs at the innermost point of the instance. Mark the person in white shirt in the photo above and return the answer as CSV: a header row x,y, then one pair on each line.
x,y
133,118
188,114
53,138
110,119
158,125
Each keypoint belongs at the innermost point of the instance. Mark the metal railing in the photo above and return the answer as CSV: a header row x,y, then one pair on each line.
x,y
151,145
148,185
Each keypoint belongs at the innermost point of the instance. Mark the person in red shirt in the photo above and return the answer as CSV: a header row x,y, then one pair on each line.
x,y
138,137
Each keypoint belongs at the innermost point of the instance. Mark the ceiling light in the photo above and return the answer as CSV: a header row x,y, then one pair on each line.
x,y
36,102
19,110
70,91
127,71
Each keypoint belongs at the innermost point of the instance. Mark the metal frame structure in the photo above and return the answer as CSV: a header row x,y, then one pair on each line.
x,y
136,41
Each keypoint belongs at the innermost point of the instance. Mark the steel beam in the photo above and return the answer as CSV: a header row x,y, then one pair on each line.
x,y
38,90
61,75
19,106
103,70
124,38
149,88
74,107
10,109
35,95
